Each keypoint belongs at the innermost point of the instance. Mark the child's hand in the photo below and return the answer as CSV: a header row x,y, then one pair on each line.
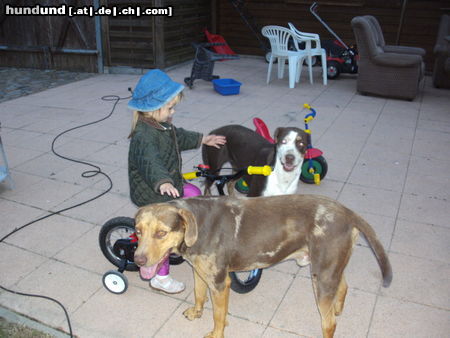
x,y
214,140
169,189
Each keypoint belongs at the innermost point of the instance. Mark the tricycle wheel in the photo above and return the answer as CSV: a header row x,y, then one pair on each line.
x,y
333,69
118,228
245,281
115,282
241,186
320,167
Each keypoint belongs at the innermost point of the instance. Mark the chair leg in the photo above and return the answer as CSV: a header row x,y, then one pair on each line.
x,y
299,69
281,65
293,65
310,68
324,69
269,71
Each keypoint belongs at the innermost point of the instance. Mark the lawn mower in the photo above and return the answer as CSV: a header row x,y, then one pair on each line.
x,y
340,57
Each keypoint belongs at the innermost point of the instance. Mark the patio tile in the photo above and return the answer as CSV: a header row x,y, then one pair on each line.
x,y
40,165
397,318
432,144
15,215
298,312
412,274
383,227
433,245
46,194
387,137
388,160
55,280
276,333
421,181
380,168
370,200
425,209
177,326
118,315
16,272
328,187
49,236
79,149
259,305
17,156
111,155
363,272
97,211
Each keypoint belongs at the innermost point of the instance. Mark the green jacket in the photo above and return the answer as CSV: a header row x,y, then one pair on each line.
x,y
154,158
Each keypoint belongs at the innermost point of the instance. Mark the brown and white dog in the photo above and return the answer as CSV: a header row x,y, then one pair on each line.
x,y
245,147
218,235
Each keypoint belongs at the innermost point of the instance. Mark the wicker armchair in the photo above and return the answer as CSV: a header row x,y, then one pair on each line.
x,y
389,74
441,70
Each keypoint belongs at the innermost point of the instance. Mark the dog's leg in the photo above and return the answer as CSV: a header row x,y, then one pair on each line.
x,y
200,289
340,296
220,298
325,299
230,188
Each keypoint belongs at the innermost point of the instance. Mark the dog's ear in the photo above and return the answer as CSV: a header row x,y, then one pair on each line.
x,y
190,227
277,133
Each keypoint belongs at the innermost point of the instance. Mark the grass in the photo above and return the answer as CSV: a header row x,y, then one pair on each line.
x,y
13,330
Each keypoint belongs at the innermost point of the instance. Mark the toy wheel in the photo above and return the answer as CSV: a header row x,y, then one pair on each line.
x,y
175,259
320,166
118,228
333,69
245,281
188,82
241,186
267,57
121,228
115,282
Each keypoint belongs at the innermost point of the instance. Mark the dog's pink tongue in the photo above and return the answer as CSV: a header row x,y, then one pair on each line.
x,y
288,167
148,272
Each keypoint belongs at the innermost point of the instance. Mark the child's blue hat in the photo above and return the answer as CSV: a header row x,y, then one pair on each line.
x,y
153,91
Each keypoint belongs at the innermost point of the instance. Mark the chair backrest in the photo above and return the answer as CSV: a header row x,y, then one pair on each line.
x,y
379,37
303,36
366,38
279,38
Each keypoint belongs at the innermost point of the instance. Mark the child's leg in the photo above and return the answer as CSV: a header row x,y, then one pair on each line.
x,y
165,268
163,282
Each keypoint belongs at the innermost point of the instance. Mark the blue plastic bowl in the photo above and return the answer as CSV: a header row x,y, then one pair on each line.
x,y
227,86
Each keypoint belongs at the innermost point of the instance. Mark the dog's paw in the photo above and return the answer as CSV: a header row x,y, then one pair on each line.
x,y
213,335
192,313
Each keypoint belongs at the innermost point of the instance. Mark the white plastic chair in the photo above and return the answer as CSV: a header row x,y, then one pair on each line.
x,y
317,50
279,38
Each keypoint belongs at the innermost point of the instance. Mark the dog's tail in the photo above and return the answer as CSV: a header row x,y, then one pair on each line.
x,y
377,248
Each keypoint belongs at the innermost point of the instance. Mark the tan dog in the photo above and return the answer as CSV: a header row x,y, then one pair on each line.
x,y
220,234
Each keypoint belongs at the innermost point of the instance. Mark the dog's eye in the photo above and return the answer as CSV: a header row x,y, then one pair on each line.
x,y
301,144
161,234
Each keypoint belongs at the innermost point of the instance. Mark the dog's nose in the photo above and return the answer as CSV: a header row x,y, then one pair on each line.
x,y
289,158
140,260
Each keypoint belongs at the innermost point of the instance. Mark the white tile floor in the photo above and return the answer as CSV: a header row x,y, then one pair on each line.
x,y
388,159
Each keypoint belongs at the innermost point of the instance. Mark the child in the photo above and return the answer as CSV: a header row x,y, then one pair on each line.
x,y
154,159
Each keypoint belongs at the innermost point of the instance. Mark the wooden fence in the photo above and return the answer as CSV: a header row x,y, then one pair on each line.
x,y
148,41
